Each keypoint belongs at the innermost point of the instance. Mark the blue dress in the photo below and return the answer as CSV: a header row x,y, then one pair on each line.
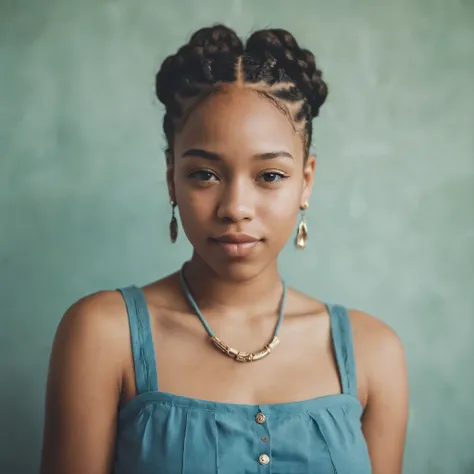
x,y
162,433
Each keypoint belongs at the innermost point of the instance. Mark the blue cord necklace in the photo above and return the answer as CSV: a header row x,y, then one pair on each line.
x,y
235,354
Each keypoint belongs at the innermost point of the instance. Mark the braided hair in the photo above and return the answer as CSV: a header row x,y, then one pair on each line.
x,y
271,62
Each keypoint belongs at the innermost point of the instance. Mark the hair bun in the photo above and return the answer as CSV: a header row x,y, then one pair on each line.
x,y
195,62
281,50
215,40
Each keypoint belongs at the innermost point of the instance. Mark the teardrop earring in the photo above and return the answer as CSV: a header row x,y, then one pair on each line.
x,y
302,232
173,224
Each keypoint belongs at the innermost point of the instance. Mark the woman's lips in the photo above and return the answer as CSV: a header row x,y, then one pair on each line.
x,y
237,249
237,245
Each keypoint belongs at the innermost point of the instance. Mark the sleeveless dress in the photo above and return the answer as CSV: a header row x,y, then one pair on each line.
x,y
163,433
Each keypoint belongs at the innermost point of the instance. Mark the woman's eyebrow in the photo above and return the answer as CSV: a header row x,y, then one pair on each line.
x,y
200,153
209,155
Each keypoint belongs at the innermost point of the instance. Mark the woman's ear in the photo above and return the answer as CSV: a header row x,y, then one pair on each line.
x,y
170,175
308,179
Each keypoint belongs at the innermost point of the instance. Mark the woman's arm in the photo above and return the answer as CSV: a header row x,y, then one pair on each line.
x,y
83,389
385,416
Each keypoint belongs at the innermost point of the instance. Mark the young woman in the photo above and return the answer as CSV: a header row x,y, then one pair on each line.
x,y
219,367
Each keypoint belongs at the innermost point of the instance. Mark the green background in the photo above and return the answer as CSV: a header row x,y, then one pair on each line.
x,y
83,201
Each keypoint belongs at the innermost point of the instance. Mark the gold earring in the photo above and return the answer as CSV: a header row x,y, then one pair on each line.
x,y
302,233
173,224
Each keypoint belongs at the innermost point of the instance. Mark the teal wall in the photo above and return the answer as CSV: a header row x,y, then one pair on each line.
x,y
83,202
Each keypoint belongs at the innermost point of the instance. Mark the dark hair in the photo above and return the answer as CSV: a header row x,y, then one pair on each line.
x,y
271,62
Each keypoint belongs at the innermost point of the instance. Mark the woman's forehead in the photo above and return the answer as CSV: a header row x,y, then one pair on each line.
x,y
240,118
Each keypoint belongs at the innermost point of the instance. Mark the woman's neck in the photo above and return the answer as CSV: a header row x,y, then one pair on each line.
x,y
212,292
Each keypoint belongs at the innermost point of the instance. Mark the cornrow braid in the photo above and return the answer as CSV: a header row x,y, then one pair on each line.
x,y
271,63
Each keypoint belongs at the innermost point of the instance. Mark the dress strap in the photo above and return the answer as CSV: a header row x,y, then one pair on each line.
x,y
344,348
143,350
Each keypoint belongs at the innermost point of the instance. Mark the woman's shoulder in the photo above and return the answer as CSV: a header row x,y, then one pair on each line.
x,y
99,311
372,333
94,324
379,353
106,308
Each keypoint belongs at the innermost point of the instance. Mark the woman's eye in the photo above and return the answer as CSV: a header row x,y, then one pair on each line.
x,y
202,175
272,177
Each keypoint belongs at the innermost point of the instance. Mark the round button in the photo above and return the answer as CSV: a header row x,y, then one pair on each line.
x,y
264,459
265,439
260,418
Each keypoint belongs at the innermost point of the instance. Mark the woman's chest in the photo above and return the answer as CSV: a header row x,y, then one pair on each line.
x,y
300,368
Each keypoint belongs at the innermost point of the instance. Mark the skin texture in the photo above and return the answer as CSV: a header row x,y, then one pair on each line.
x,y
226,186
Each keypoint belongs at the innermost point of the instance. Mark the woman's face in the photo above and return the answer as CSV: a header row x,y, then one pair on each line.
x,y
239,179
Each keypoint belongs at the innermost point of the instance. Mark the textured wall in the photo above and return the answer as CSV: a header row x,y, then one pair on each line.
x,y
83,203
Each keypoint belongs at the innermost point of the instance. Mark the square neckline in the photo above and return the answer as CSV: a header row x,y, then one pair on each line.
x,y
142,400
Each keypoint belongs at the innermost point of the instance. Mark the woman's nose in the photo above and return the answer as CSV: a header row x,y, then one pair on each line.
x,y
237,202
